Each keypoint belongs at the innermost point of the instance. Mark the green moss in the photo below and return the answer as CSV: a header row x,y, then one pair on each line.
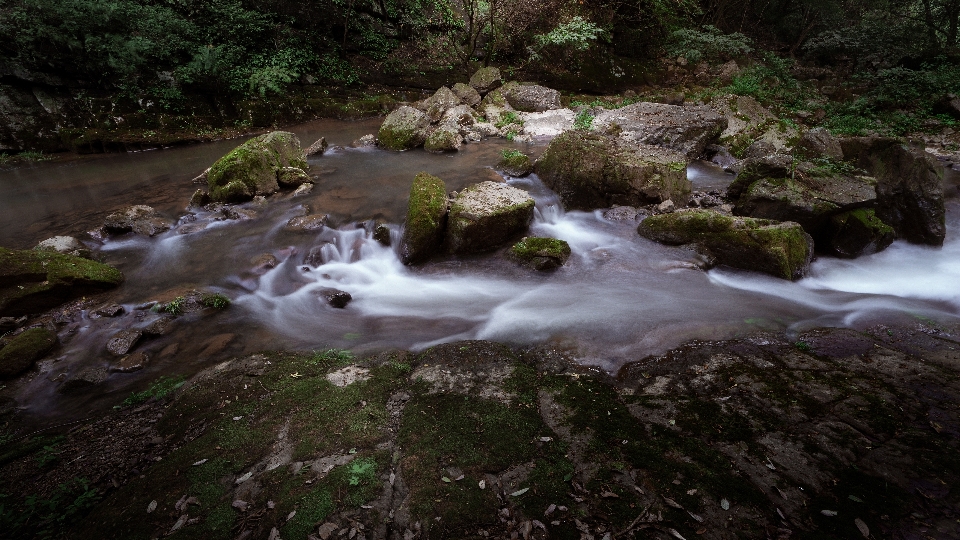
x,y
402,129
252,168
426,216
21,352
868,217
529,250
515,163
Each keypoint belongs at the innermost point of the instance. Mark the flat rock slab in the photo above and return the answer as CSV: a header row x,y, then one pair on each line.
x,y
123,341
131,362
686,129
485,215
547,123
309,223
139,219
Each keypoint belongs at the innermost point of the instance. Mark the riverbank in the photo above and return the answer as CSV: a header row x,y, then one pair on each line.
x,y
838,434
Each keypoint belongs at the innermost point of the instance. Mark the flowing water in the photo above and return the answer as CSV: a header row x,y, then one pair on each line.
x,y
619,298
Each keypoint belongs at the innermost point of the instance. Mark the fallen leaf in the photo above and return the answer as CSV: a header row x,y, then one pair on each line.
x,y
675,534
546,439
550,509
864,530
201,462
673,503
296,375
244,478
854,498
445,479
152,506
482,484
697,518
692,492
609,495
828,513
519,492
459,478
291,514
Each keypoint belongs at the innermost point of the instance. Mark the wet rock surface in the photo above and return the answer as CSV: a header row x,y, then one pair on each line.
x,y
827,434
253,167
485,215
686,129
138,219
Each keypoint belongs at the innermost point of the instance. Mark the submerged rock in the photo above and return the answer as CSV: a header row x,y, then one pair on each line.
x,y
31,280
486,79
23,350
308,223
515,163
67,245
84,379
253,167
335,297
686,129
542,254
292,177
590,170
782,249
487,214
403,129
130,363
317,148
532,98
139,219
426,219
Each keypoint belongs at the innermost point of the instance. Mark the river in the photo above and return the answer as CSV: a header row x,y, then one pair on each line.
x,y
619,298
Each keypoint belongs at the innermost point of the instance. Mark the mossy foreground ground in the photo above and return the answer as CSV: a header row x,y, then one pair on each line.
x,y
841,434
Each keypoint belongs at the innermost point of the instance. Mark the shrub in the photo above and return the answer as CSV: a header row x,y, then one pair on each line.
x,y
707,45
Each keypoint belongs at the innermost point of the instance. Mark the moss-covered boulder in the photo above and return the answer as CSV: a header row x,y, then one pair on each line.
x,y
590,170
403,129
138,219
532,98
440,102
855,233
486,79
686,129
515,163
65,244
252,168
542,254
486,215
21,352
781,249
909,186
32,280
445,138
468,95
426,219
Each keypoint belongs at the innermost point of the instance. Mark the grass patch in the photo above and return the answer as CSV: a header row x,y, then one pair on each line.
x,y
161,388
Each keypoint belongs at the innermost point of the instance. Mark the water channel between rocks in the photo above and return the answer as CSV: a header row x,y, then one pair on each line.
x,y
619,298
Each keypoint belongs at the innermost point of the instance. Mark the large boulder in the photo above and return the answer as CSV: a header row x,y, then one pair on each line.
x,y
748,123
32,280
532,98
24,349
426,219
486,79
781,249
67,245
446,138
252,168
909,187
440,102
485,215
139,219
548,123
855,233
468,95
590,170
686,129
403,129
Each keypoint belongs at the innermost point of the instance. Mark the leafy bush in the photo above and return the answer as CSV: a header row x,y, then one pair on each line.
x,y
577,33
583,121
707,45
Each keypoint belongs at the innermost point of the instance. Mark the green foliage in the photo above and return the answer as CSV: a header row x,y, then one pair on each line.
x,y
770,82
511,154
707,45
216,301
331,356
577,33
161,388
46,517
175,307
47,455
362,471
23,157
583,121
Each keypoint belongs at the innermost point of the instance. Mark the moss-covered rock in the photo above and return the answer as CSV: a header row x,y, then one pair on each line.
x,y
515,163
486,79
292,177
686,129
468,95
541,253
403,129
445,138
532,98
590,170
24,350
485,215
426,219
855,233
252,168
440,102
780,249
32,280
67,245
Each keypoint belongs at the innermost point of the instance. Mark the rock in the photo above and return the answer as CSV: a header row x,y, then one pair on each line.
x,y
548,123
314,256
317,148
467,94
159,327
818,142
666,207
139,219
481,130
760,149
515,163
780,249
131,363
426,219
84,379
309,223
335,297
302,189
263,262
67,245
23,350
720,155
252,168
459,117
8,324
439,103
590,170
31,280
201,178
621,213
199,199
855,233
403,129
381,233
909,187
443,139
486,79
532,98
292,177
109,310
542,254
367,140
728,71
686,129
485,215
123,341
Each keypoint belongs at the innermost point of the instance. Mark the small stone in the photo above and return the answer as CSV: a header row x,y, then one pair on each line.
x,y
326,530
151,507
263,262
367,140
109,310
240,505
158,327
381,233
302,189
309,223
123,341
199,199
335,297
666,207
131,363
317,148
